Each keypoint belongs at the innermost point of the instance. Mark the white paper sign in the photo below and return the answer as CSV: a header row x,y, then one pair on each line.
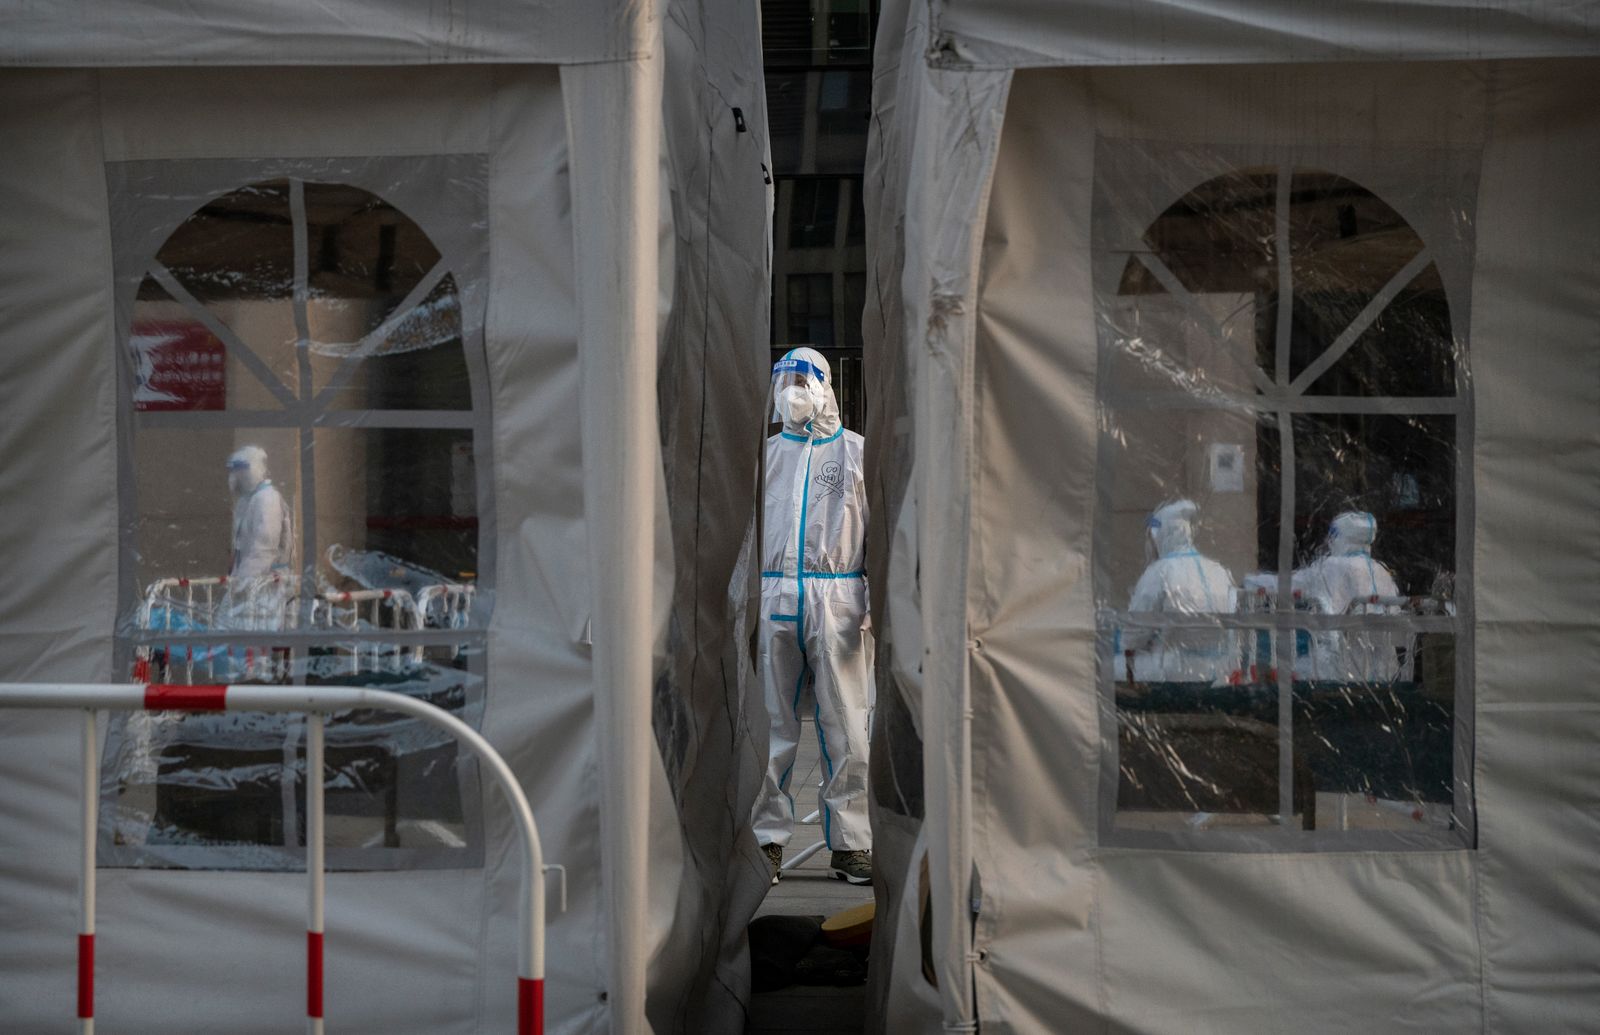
x,y
1227,467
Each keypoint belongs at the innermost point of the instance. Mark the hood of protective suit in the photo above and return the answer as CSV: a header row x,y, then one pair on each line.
x,y
247,468
802,394
1170,528
1352,532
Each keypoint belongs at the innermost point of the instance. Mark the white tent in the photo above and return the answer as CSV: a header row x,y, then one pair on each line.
x,y
437,261
1287,266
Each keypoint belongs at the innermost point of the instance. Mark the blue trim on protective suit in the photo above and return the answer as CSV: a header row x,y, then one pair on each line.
x,y
799,618
800,629
800,551
800,576
818,575
822,742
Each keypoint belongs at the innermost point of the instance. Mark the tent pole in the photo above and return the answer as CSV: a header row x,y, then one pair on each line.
x,y
614,131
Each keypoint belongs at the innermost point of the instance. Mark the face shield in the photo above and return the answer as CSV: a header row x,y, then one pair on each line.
x,y
798,390
1170,530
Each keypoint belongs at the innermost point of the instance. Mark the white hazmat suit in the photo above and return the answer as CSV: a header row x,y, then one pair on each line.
x,y
1181,581
259,576
814,633
261,531
1345,578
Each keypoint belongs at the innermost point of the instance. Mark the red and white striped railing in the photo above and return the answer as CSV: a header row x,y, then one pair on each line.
x,y
315,702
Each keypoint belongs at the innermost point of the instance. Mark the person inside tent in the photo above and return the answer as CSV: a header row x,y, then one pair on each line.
x,y
1345,577
262,543
1180,580
814,629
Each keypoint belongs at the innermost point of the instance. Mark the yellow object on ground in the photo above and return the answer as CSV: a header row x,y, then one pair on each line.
x,y
851,927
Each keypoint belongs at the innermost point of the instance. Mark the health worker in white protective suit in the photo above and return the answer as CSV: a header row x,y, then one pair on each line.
x,y
261,532
1345,579
815,643
259,575
1181,581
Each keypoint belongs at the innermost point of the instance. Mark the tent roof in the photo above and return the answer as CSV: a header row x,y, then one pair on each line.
x,y
76,33
1033,33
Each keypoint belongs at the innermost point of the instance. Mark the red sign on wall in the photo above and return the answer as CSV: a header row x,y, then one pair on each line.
x,y
181,366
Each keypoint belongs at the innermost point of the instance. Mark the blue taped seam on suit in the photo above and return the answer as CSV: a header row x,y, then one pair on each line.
x,y
818,575
800,627
783,785
822,742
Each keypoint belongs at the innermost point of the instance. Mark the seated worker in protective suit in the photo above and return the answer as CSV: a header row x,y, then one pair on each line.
x,y
1345,574
1181,581
262,543
813,626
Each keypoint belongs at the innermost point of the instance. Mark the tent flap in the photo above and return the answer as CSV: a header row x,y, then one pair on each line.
x,y
343,32
1037,33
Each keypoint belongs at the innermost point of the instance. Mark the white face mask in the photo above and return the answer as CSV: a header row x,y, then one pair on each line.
x,y
796,405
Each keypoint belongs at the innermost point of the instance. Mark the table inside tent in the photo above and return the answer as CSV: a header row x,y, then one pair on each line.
x,y
1199,748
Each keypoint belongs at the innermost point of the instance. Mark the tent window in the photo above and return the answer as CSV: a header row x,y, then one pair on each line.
x,y
1282,501
305,427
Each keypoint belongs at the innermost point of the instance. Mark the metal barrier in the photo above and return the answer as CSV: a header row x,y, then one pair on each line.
x,y
315,702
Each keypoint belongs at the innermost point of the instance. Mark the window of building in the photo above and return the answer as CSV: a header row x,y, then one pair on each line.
x,y
1283,546
811,309
817,32
850,25
844,107
304,497
813,212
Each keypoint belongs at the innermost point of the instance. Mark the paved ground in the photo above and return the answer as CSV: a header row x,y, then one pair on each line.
x,y
809,891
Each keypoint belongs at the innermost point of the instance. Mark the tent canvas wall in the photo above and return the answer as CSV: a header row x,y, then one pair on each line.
x,y
1356,248
414,254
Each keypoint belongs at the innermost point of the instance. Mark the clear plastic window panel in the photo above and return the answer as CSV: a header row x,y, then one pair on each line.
x,y
1281,567
304,491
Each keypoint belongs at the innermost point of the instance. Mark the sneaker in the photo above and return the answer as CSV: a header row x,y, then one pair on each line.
x,y
851,867
775,857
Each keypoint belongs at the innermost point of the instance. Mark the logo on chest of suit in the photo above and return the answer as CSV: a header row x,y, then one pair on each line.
x,y
831,479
